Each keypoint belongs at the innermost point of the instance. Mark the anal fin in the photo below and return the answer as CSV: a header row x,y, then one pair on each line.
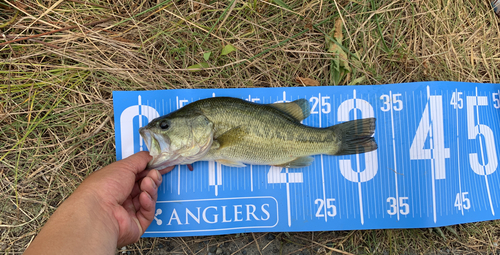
x,y
230,163
298,162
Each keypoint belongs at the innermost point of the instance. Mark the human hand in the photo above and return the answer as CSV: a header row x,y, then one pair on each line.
x,y
110,209
128,193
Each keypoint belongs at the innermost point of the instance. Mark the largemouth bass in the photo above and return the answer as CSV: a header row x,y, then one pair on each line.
x,y
235,132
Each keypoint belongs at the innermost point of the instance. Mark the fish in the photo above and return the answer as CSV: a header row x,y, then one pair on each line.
x,y
235,132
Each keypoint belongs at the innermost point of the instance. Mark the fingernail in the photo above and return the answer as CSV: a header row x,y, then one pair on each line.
x,y
148,195
158,175
154,184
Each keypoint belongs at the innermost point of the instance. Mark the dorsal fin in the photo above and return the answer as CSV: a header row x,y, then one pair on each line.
x,y
298,109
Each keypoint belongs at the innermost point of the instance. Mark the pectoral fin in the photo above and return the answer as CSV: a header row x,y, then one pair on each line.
x,y
298,162
230,137
230,163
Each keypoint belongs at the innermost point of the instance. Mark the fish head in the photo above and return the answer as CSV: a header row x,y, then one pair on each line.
x,y
177,140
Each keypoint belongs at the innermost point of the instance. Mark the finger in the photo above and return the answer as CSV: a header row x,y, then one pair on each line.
x,y
136,202
146,172
129,206
156,176
166,170
150,186
136,162
146,213
148,197
135,190
146,201
142,175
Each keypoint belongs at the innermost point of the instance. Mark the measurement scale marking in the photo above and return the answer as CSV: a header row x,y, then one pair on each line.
x,y
251,178
424,184
493,178
387,159
289,213
358,168
140,122
344,182
458,158
374,201
475,186
322,165
431,145
329,162
332,176
490,117
394,155
410,167
482,154
219,177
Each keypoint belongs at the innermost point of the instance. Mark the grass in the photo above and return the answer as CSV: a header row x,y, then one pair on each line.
x,y
56,104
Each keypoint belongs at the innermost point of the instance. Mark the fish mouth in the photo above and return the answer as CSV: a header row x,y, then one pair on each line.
x,y
164,155
148,139
158,145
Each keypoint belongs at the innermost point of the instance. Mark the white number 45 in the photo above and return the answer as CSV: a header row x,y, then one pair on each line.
x,y
461,201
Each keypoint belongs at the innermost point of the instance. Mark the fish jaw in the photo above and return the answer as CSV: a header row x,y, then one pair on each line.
x,y
146,136
155,143
164,155
159,149
164,159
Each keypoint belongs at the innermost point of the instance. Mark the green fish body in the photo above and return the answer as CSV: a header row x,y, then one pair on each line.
x,y
235,132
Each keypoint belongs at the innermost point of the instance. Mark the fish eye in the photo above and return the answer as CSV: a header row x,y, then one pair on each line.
x,y
164,125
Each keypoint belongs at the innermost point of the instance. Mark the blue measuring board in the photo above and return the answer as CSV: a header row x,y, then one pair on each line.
x,y
436,163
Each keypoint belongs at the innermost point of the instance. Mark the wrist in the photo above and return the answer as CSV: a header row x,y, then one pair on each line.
x,y
79,226
89,206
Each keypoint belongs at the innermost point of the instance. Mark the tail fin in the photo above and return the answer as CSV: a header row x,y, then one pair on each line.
x,y
355,136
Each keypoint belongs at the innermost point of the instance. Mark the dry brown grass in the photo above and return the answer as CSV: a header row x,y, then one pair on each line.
x,y
56,105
